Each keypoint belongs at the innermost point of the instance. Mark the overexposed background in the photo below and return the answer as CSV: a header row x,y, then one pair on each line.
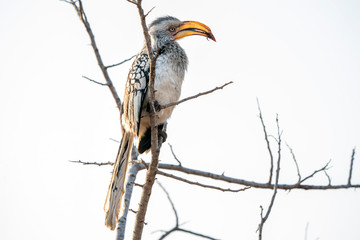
x,y
300,58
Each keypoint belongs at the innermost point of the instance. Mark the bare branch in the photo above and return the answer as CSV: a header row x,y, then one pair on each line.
x,y
155,148
133,2
114,140
328,177
222,177
324,168
252,184
194,96
263,219
296,164
91,80
93,163
149,12
117,64
351,166
65,1
267,142
306,230
133,211
171,202
177,226
172,151
196,234
83,18
200,184
133,170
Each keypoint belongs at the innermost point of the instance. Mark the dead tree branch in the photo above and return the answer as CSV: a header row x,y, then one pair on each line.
x,y
267,142
200,184
264,218
93,163
133,171
117,64
177,225
328,177
324,168
155,149
248,183
351,166
171,202
253,184
295,161
173,153
194,96
78,6
94,81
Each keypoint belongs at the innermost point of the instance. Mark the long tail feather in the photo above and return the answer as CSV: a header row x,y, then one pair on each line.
x,y
117,184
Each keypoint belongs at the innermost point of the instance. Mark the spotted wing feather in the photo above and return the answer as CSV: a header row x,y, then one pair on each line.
x,y
136,89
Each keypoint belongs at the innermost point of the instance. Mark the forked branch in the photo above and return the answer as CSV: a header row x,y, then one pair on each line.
x,y
264,218
78,6
177,226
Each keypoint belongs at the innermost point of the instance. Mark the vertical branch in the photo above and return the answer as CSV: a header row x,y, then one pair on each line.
x,y
263,219
155,150
296,164
133,170
171,203
267,143
306,230
351,166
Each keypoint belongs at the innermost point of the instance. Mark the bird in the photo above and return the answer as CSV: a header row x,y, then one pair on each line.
x,y
171,65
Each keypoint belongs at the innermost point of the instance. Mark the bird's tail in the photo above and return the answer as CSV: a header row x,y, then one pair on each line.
x,y
117,185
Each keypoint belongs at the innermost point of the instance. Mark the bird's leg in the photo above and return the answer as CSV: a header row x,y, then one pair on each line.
x,y
161,134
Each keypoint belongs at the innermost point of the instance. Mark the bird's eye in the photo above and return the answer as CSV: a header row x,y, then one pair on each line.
x,y
172,29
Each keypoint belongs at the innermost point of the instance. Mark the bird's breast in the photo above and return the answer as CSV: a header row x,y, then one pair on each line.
x,y
167,84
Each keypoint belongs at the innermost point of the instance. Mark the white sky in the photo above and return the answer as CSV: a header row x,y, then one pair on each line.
x,y
300,58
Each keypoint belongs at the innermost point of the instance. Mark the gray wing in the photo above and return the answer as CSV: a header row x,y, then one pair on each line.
x,y
135,92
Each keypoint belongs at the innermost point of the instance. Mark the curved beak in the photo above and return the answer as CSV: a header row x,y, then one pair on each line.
x,y
188,28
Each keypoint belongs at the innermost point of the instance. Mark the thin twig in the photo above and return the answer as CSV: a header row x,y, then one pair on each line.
x,y
263,219
149,12
316,171
172,151
114,140
93,163
306,230
200,184
83,18
65,1
133,2
133,170
267,142
92,80
177,225
194,96
171,202
296,164
196,234
351,166
117,64
328,177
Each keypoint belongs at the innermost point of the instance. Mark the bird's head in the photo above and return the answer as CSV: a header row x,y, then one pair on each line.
x,y
166,29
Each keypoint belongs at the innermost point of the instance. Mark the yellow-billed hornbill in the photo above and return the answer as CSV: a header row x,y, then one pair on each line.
x,y
170,68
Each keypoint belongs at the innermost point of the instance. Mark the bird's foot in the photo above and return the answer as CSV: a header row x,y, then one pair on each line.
x,y
162,135
157,106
